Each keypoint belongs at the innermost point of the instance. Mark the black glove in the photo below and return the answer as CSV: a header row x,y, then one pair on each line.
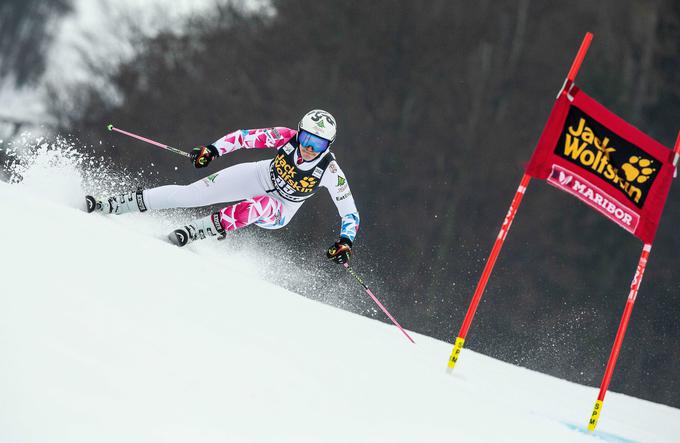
x,y
340,251
201,155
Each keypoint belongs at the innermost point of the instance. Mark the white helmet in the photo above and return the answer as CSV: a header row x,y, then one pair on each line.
x,y
320,123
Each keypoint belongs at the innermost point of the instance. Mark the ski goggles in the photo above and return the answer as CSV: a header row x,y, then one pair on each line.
x,y
309,140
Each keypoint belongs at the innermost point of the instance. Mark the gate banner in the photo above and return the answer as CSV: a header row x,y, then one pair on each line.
x,y
591,153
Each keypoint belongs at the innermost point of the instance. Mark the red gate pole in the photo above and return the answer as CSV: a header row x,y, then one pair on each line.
x,y
488,268
576,65
676,151
498,245
635,285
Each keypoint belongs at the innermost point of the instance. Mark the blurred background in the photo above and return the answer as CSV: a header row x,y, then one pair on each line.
x,y
439,106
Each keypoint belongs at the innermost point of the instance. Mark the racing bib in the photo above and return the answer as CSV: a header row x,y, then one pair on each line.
x,y
291,182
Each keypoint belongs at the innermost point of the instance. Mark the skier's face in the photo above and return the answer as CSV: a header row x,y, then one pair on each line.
x,y
307,153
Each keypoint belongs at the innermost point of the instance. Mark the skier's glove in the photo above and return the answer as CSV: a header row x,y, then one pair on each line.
x,y
201,155
340,251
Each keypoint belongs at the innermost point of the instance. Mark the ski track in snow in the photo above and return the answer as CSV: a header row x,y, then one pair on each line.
x,y
108,333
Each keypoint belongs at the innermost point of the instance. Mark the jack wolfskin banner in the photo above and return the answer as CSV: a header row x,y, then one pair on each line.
x,y
591,153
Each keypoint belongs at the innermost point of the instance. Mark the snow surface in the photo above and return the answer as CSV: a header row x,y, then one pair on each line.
x,y
110,334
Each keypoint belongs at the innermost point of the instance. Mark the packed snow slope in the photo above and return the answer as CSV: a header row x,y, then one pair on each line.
x,y
110,334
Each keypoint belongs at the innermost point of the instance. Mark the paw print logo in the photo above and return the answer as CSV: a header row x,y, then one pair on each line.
x,y
307,182
638,169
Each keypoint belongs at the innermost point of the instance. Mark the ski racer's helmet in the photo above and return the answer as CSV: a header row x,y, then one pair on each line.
x,y
317,129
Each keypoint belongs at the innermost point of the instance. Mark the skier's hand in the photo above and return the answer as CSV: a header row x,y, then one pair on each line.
x,y
202,155
340,251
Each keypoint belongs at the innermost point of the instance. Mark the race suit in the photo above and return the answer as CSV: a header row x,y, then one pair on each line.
x,y
268,192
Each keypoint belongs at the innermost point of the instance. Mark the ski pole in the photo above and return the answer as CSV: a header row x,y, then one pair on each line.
x,y
110,127
368,291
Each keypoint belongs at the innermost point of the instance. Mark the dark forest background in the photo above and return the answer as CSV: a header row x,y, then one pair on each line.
x,y
439,106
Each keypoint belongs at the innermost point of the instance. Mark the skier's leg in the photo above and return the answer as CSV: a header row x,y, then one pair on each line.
x,y
287,211
261,209
230,184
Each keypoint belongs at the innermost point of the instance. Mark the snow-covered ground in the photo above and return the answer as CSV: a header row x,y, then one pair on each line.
x,y
110,334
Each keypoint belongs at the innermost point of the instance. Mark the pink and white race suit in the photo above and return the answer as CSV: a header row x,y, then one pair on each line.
x,y
268,192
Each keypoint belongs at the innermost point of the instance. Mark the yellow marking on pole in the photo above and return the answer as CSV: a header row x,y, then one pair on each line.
x,y
454,354
595,416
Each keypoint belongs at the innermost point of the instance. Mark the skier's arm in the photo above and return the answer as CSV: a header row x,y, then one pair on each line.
x,y
274,138
253,139
338,187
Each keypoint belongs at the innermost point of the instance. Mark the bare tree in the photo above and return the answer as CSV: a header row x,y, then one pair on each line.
x,y
26,30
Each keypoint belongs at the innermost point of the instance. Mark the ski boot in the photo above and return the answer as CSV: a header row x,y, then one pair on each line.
x,y
209,226
132,201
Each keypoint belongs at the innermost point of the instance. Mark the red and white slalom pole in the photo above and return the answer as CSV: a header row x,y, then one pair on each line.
x,y
488,268
148,140
377,302
623,325
498,245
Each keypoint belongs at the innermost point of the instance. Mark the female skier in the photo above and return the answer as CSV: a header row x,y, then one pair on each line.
x,y
268,193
